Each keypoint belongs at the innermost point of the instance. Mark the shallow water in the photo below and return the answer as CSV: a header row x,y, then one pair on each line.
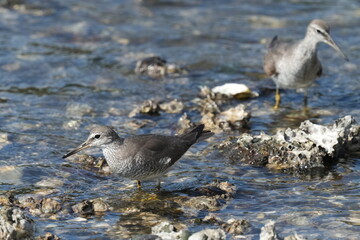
x,y
66,65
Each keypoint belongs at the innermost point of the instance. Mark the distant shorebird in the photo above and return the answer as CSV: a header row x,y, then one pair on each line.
x,y
141,157
296,65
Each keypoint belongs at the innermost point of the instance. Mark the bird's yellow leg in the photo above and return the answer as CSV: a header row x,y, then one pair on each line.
x,y
305,99
277,99
306,110
158,186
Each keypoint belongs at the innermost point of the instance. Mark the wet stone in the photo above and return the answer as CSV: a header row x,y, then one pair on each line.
x,y
152,66
174,106
78,110
295,237
15,225
149,203
50,182
214,234
224,190
157,67
167,231
207,105
211,218
308,147
218,120
236,226
4,140
48,236
231,119
100,205
150,107
268,232
184,124
90,207
232,226
139,123
153,107
8,199
44,207
85,207
211,197
11,3
95,164
201,203
136,223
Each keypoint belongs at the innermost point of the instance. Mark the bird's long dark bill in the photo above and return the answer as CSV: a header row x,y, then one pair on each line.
x,y
78,149
331,42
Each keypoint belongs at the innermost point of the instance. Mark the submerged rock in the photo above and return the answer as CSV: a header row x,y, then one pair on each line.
x,y
236,226
213,234
168,231
44,207
268,232
91,163
150,107
211,197
234,118
15,225
307,147
153,107
8,199
11,174
216,119
184,124
90,207
157,67
295,237
48,236
174,106
4,140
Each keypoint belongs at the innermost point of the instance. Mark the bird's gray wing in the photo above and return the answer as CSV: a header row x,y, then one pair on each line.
x,y
275,51
156,144
269,58
149,145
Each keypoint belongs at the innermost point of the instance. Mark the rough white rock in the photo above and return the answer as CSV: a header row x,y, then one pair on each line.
x,y
209,234
167,231
268,232
307,147
15,225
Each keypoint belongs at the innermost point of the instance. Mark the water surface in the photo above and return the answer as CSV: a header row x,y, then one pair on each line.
x,y
66,65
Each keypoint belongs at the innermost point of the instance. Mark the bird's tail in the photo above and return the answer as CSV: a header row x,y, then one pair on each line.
x,y
273,42
196,134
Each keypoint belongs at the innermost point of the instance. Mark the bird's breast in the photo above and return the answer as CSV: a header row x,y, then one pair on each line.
x,y
296,71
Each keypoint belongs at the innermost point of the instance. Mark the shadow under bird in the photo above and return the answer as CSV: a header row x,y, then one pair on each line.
x,y
296,66
141,157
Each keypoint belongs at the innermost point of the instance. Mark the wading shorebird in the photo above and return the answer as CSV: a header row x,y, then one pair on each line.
x,y
296,66
141,157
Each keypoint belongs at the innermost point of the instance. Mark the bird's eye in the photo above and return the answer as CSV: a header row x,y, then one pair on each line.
x,y
319,31
97,136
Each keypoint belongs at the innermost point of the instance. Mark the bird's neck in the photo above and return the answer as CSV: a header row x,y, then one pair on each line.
x,y
109,150
308,45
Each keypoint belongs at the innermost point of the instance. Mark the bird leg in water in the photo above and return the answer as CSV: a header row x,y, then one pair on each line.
x,y
158,186
305,98
277,99
138,183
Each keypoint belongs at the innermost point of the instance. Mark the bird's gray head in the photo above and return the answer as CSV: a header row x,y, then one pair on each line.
x,y
99,136
319,31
